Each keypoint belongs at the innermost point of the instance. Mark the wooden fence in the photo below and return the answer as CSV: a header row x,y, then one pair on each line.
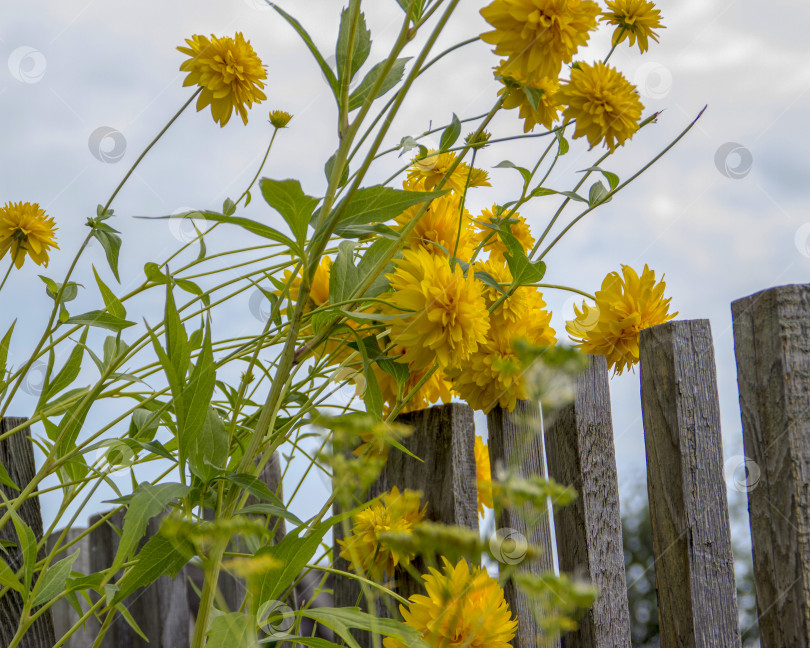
x,y
694,568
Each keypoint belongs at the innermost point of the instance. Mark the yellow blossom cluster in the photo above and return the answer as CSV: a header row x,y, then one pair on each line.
x,y
539,37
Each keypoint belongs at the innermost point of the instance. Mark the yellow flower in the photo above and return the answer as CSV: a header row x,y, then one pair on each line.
x,y
483,475
25,228
428,171
634,19
464,607
494,245
534,96
604,104
539,36
229,73
494,374
319,294
441,314
436,388
438,228
280,119
625,305
364,550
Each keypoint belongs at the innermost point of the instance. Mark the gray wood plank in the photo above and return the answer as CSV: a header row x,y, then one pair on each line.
x,y
581,454
772,346
17,455
694,566
516,444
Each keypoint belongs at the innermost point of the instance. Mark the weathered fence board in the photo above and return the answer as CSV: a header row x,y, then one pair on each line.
x,y
772,346
580,447
17,455
694,566
444,438
516,444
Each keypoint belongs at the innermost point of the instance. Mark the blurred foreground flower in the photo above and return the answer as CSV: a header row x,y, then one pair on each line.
x,y
464,606
364,550
625,305
483,475
229,73
25,228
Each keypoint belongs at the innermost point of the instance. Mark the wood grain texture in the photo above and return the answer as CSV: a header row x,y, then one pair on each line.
x,y
516,445
17,455
694,566
64,616
161,609
443,437
772,347
581,454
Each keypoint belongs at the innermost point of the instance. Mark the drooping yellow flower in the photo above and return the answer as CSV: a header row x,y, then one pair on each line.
x,y
229,72
25,229
435,389
539,36
534,96
364,550
464,608
440,313
625,305
439,228
634,19
428,171
279,118
604,104
483,475
494,245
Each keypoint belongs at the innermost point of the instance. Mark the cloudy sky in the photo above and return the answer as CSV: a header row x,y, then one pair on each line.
x,y
725,214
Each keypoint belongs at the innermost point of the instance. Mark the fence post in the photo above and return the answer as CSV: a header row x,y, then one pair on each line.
x,y
516,442
694,566
444,438
581,454
17,455
772,346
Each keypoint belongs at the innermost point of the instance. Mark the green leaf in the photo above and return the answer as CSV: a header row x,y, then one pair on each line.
x,y
68,373
52,582
489,280
52,289
144,425
289,200
291,554
379,204
8,578
100,319
113,304
523,271
354,617
254,486
372,396
450,134
4,345
147,501
330,164
159,556
251,226
195,399
397,370
177,347
344,277
209,449
573,196
6,479
506,164
27,543
597,194
412,8
228,208
111,242
234,630
327,71
360,94
533,95
562,143
270,509
611,177
360,48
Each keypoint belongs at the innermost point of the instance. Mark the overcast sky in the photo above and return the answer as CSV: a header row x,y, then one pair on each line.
x,y
723,215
